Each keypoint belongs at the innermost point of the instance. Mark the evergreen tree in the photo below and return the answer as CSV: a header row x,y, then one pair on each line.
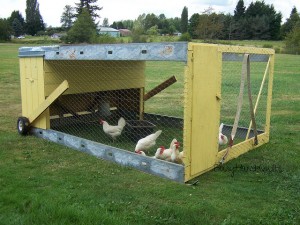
x,y
16,15
17,27
194,21
83,30
258,21
184,20
239,11
90,5
34,20
5,30
67,17
290,22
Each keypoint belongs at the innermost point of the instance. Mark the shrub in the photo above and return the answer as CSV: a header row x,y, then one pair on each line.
x,y
106,39
267,46
292,41
185,37
136,38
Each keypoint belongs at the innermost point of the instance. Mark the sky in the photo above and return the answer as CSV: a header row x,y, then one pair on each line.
x,y
116,10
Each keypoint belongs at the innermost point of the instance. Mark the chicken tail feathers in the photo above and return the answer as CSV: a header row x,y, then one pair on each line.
x,y
221,128
157,133
121,122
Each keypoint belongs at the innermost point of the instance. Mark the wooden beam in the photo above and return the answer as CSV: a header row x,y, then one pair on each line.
x,y
48,101
160,87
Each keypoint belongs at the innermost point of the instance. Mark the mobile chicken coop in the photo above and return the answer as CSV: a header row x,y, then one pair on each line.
x,y
186,90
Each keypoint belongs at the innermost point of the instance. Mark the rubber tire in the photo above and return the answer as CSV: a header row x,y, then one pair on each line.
x,y
23,125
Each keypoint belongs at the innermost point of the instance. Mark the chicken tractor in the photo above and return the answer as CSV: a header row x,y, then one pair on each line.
x,y
176,109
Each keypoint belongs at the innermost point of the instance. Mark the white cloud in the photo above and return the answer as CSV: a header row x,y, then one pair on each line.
x,y
116,10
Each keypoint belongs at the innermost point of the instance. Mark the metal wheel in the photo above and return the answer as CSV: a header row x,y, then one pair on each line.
x,y
23,125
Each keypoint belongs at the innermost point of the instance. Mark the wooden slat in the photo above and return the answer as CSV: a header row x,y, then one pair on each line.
x,y
52,97
160,87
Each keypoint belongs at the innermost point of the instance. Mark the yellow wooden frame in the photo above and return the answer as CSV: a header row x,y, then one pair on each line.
x,y
203,77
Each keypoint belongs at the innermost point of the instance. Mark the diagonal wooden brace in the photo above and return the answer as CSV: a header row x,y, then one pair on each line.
x,y
160,87
48,101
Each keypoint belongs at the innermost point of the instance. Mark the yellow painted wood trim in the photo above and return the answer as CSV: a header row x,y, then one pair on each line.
x,y
46,103
237,49
244,49
243,147
187,126
269,98
237,150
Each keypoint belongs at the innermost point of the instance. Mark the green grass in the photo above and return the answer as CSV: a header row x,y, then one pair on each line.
x,y
46,183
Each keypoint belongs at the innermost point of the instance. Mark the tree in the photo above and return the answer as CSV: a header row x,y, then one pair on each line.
x,y
5,30
16,15
123,24
34,20
90,5
83,30
17,27
139,25
292,40
150,21
239,11
67,17
258,21
128,24
210,25
194,21
184,20
153,30
105,22
227,21
290,23
176,22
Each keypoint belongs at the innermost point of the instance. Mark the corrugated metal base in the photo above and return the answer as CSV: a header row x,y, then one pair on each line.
x,y
146,164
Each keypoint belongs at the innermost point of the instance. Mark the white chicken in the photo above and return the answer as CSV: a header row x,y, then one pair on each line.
x,y
141,153
223,140
147,142
113,131
177,156
167,154
163,154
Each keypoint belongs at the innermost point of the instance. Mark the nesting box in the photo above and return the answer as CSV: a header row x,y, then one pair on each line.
x,y
184,89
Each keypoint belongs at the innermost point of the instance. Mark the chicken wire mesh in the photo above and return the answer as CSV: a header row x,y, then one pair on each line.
x,y
103,92
117,103
230,88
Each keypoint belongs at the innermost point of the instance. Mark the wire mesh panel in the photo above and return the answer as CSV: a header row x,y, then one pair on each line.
x,y
231,87
117,103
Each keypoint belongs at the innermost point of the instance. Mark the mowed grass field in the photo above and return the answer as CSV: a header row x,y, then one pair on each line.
x,y
46,183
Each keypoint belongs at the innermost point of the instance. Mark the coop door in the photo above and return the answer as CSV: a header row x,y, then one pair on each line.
x,y
32,87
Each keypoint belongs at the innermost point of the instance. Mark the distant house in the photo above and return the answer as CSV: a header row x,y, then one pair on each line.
x,y
109,31
125,32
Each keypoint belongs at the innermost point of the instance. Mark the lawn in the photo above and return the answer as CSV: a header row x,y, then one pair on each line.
x,y
46,183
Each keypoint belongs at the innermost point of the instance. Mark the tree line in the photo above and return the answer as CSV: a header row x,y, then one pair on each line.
x,y
257,21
